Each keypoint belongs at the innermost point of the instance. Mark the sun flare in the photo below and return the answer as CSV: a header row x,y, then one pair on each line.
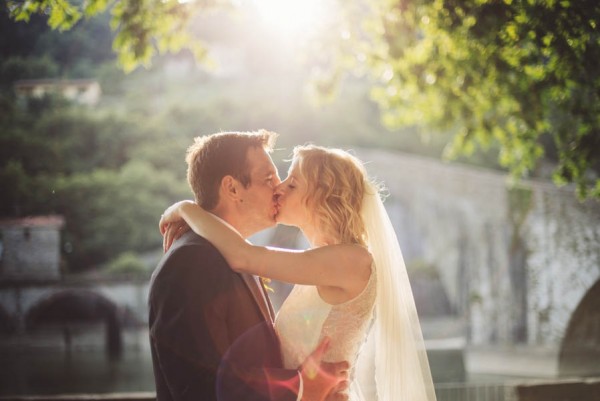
x,y
292,18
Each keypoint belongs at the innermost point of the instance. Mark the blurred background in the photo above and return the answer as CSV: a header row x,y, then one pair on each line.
x,y
489,156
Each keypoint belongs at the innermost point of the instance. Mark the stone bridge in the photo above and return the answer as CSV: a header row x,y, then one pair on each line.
x,y
27,305
520,263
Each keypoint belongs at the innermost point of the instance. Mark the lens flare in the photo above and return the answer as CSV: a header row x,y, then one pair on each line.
x,y
293,18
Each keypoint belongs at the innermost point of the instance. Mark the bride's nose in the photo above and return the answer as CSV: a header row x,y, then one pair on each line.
x,y
279,189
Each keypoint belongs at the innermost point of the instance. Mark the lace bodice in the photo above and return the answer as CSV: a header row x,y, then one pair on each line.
x,y
305,319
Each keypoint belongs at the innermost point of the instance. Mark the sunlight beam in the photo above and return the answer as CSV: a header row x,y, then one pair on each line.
x,y
292,18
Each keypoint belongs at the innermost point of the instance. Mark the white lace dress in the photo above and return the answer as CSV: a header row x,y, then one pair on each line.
x,y
305,319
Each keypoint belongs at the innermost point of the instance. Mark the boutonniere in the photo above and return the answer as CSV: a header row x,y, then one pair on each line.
x,y
265,282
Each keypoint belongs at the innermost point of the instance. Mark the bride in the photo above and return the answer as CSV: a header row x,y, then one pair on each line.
x,y
352,280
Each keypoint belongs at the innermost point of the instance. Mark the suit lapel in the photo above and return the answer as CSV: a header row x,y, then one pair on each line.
x,y
257,294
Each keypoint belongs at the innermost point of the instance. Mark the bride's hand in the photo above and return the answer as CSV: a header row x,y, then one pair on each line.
x,y
171,225
324,380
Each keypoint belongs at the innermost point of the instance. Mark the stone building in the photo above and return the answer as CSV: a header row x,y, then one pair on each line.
x,y
82,91
30,248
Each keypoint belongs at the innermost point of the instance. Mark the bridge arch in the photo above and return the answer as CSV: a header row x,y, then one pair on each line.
x,y
71,305
580,348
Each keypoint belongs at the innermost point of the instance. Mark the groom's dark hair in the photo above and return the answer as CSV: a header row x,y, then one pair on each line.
x,y
212,157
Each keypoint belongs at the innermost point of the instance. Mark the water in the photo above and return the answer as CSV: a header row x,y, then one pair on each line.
x,y
42,363
48,362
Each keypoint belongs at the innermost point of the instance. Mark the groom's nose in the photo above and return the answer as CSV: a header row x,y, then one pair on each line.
x,y
278,191
275,182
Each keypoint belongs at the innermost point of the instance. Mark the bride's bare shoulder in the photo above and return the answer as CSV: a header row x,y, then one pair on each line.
x,y
358,258
353,264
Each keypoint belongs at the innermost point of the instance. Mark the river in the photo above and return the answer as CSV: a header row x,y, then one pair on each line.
x,y
48,361
42,363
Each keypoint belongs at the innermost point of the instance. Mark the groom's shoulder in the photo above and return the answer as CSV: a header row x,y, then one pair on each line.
x,y
188,258
190,238
191,243
192,250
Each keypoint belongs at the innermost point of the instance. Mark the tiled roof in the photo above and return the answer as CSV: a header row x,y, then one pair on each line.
x,y
34,221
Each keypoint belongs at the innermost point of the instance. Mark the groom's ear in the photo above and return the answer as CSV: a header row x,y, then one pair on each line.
x,y
230,188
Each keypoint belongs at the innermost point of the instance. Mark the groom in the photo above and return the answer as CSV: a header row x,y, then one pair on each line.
x,y
211,329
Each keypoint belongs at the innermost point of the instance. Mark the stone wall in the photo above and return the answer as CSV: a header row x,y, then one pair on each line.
x,y
515,260
30,252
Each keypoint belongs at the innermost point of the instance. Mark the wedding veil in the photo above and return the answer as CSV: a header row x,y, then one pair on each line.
x,y
401,366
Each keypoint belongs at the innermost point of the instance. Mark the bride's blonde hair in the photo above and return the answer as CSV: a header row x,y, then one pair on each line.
x,y
337,182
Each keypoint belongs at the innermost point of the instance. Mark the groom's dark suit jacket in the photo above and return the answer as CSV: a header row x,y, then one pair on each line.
x,y
211,335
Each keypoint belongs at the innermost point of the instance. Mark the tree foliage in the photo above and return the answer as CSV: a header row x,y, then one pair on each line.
x,y
521,73
144,28
127,263
113,211
72,161
518,73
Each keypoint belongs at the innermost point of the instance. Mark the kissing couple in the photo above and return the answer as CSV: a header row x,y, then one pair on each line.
x,y
213,332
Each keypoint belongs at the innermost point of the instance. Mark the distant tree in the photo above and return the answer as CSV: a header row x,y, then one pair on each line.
x,y
127,263
86,166
18,39
34,50
14,68
56,139
109,212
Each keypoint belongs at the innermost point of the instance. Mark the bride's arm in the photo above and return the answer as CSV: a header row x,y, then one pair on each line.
x,y
343,266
